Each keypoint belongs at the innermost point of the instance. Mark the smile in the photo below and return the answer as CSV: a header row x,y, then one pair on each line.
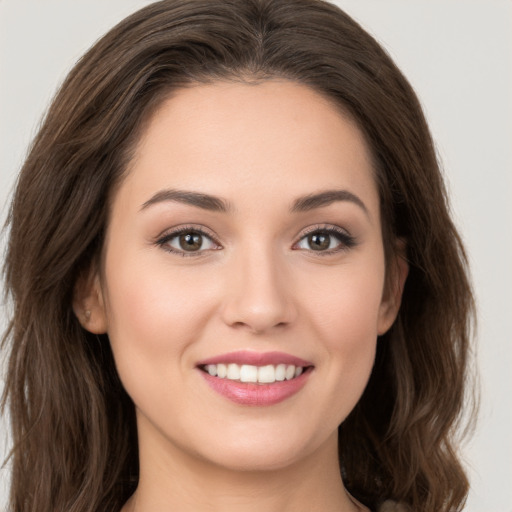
x,y
256,379
267,374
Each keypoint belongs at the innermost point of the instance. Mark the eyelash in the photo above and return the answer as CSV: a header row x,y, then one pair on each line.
x,y
163,242
346,240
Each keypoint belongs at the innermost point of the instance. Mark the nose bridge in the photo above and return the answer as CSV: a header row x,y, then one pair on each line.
x,y
257,293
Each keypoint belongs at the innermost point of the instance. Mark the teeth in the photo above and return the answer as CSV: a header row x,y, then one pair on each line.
x,y
281,371
266,374
222,370
249,373
233,372
290,372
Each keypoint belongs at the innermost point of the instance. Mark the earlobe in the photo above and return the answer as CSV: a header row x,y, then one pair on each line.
x,y
392,298
89,305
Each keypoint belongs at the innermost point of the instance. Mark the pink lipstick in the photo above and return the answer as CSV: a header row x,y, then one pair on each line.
x,y
257,379
255,358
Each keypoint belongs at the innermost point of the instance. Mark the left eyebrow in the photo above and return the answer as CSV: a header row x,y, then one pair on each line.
x,y
204,201
325,198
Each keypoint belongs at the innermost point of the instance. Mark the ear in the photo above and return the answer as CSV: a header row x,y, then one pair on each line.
x,y
395,282
89,304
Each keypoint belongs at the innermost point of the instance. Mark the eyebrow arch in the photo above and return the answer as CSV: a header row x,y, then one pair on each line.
x,y
213,203
204,201
325,198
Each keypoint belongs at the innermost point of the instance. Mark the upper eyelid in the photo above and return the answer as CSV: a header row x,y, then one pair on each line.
x,y
322,227
177,230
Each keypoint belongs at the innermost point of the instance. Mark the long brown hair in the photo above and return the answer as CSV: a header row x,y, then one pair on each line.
x,y
73,425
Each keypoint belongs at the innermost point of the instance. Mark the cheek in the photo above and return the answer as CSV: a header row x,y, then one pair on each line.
x,y
154,314
346,303
344,312
350,330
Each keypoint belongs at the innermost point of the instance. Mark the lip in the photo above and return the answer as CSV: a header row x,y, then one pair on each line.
x,y
255,359
251,394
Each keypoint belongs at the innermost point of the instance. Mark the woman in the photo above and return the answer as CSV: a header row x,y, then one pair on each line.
x,y
235,279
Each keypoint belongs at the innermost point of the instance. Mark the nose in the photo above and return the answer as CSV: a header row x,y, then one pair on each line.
x,y
259,295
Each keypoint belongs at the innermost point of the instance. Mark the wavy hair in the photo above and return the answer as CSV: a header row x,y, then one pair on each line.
x,y
73,425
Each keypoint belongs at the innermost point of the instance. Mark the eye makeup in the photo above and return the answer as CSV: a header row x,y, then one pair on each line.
x,y
188,240
320,239
194,240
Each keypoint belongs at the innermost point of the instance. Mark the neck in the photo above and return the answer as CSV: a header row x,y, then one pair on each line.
x,y
173,480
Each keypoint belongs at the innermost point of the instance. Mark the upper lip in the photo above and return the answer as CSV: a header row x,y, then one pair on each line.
x,y
241,357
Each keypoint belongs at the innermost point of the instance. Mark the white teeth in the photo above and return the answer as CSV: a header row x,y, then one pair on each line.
x,y
222,370
233,372
280,372
290,372
266,374
248,373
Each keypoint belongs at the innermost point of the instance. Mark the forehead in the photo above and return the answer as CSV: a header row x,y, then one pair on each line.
x,y
272,139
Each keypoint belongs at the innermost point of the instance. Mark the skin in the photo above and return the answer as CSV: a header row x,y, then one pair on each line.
x,y
256,284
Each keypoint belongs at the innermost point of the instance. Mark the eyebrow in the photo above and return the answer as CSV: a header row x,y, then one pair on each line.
x,y
217,204
325,198
204,201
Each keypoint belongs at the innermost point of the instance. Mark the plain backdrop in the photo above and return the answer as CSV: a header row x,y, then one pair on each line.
x,y
457,55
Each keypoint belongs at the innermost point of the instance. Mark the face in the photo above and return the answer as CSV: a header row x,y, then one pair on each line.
x,y
243,278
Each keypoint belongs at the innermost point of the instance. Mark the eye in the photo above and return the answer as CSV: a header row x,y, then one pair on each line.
x,y
326,240
187,241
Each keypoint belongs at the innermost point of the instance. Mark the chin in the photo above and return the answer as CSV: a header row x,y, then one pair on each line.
x,y
266,451
250,461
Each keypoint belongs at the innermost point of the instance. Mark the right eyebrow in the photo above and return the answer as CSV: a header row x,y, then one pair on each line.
x,y
204,201
325,198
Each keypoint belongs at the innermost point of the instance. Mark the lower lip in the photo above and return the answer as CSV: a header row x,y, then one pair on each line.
x,y
246,393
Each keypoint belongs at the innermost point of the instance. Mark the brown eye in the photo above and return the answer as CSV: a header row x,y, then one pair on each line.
x,y
319,241
190,241
327,241
187,241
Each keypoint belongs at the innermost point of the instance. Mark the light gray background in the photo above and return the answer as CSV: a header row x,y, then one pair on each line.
x,y
458,56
